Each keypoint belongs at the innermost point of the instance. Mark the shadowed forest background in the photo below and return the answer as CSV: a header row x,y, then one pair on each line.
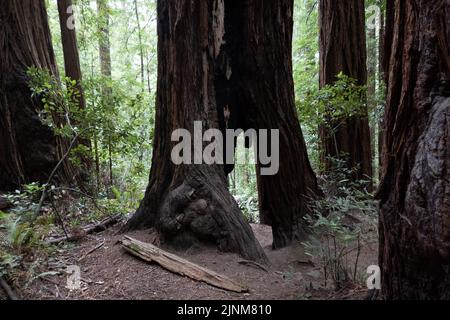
x,y
90,92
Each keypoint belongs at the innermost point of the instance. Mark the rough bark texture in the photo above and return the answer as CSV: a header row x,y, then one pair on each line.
x,y
187,203
73,71
342,49
150,253
27,147
105,67
70,47
415,190
255,80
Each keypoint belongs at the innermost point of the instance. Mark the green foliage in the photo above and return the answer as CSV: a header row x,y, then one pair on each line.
x,y
341,223
344,99
19,233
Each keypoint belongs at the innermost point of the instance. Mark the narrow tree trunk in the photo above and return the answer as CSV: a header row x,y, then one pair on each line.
x,y
106,70
381,79
256,83
141,48
342,49
372,63
73,71
70,46
187,203
27,147
415,191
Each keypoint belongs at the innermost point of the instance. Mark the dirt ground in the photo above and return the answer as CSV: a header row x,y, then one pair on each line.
x,y
110,273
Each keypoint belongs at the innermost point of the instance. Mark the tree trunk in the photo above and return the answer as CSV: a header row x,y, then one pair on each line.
x,y
73,71
342,49
415,192
141,48
372,63
106,70
27,147
381,79
187,203
257,57
70,46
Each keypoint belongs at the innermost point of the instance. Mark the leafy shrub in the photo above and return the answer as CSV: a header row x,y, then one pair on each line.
x,y
341,224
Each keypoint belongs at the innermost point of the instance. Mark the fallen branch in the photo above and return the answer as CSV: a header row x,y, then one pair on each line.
x,y
304,262
253,264
9,292
52,174
89,229
92,251
173,263
4,203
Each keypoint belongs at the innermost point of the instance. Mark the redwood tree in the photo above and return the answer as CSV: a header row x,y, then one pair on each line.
x,y
255,81
415,190
187,203
343,49
217,56
27,147
73,71
70,45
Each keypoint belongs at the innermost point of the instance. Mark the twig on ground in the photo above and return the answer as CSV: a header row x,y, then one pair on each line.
x,y
8,290
253,264
92,250
89,229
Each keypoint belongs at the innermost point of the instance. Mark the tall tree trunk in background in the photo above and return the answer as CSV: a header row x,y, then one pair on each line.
x,y
28,149
141,48
73,69
372,64
187,203
415,190
106,68
381,78
70,46
255,81
342,49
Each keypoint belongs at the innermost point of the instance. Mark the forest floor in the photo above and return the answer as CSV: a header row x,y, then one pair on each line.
x,y
110,273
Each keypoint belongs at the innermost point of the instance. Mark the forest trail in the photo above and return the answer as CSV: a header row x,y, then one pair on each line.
x,y
108,272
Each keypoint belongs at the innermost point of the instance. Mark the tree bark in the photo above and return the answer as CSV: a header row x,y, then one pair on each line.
x,y
188,203
73,71
70,47
381,79
141,48
27,147
255,81
415,192
106,69
342,49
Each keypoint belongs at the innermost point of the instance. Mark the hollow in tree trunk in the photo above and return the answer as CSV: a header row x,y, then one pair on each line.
x,y
187,203
255,81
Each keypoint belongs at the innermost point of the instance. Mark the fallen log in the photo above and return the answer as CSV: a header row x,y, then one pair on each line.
x,y
89,229
9,292
4,203
176,264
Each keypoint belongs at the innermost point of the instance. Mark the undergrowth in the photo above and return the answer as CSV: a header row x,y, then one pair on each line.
x,y
342,223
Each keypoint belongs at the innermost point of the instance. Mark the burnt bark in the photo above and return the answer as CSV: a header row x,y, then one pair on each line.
x,y
415,192
255,81
190,203
27,147
342,49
